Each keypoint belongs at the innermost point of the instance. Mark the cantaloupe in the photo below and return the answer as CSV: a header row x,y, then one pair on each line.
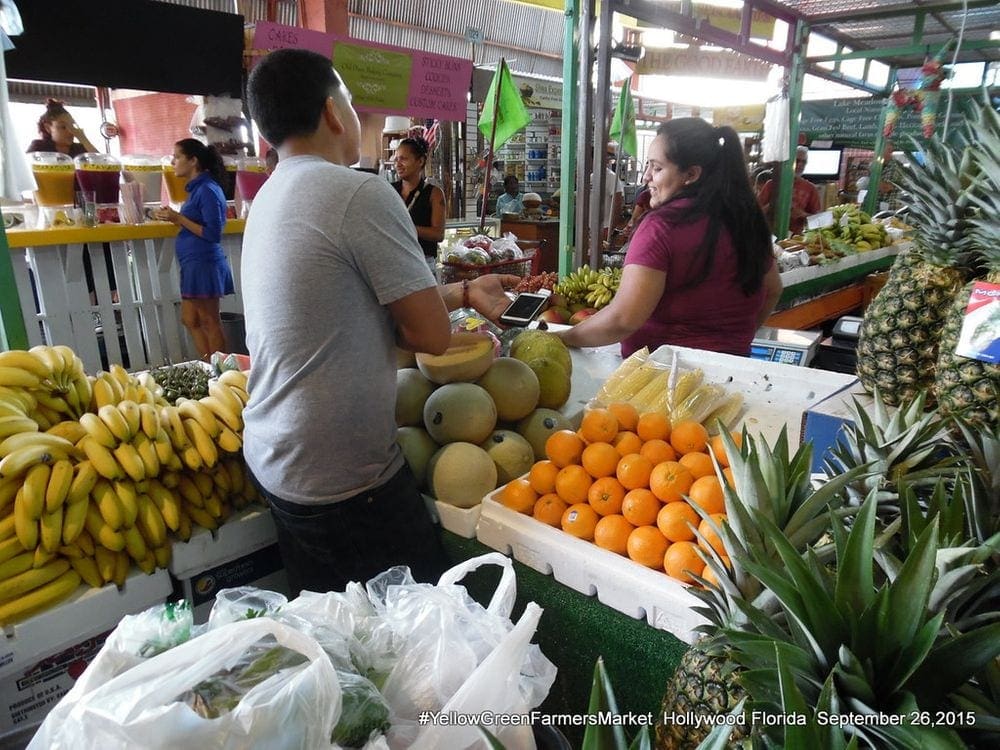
x,y
513,386
412,392
512,454
460,412
461,474
469,355
537,426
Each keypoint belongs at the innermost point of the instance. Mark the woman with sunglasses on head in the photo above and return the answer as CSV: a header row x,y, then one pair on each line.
x,y
699,271
424,202
205,273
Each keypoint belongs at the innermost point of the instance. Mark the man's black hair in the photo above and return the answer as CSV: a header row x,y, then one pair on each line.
x,y
287,91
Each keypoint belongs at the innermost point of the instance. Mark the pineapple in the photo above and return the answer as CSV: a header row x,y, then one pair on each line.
x,y
768,484
964,386
898,345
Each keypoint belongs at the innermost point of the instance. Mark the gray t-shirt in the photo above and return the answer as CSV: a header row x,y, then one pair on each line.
x,y
325,250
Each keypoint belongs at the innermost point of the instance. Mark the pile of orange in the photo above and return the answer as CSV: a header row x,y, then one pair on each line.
x,y
628,482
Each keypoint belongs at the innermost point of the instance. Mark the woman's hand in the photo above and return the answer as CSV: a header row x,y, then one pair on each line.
x,y
166,213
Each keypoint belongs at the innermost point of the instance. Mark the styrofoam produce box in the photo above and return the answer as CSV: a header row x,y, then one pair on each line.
x,y
617,581
41,657
460,521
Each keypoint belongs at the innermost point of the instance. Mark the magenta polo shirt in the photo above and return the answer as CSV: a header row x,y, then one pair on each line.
x,y
715,315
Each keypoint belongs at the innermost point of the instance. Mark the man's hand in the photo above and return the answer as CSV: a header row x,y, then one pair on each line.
x,y
486,293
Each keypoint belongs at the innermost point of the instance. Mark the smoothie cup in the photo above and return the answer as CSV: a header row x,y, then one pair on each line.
x,y
101,174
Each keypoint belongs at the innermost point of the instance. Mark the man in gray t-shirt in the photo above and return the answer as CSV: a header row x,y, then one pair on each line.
x,y
333,280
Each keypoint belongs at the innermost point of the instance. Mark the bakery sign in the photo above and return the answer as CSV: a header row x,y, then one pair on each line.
x,y
382,78
701,63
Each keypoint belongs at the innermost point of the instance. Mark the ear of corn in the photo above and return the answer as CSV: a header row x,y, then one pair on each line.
x,y
685,386
702,401
725,415
644,400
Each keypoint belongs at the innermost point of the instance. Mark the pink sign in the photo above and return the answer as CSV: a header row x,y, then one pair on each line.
x,y
438,84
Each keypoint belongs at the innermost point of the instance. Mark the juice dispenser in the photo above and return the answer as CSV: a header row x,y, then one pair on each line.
x,y
250,175
100,173
55,176
175,185
146,171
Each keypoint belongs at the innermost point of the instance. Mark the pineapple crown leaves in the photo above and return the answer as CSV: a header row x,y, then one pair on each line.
x,y
981,445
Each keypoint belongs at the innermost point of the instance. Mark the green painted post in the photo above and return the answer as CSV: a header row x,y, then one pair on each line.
x,y
796,78
13,334
875,173
567,160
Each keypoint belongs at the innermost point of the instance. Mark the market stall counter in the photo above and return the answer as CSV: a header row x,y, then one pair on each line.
x,y
123,304
545,231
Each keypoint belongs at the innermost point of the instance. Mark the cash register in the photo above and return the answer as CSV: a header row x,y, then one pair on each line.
x,y
838,352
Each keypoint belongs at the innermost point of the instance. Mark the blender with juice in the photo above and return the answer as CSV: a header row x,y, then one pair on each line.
x,y
229,185
55,176
146,171
100,173
250,175
176,192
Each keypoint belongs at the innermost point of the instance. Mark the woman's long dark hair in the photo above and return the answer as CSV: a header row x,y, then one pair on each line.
x,y
208,158
722,193
53,109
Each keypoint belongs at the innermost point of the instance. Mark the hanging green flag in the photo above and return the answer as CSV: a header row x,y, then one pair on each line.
x,y
623,123
510,112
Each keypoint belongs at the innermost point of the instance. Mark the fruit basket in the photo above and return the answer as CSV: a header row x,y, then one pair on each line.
x,y
523,266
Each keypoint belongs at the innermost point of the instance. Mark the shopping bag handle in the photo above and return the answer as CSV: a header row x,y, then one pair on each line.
x,y
502,602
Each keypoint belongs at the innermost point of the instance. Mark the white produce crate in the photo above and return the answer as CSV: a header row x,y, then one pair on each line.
x,y
461,521
617,581
244,532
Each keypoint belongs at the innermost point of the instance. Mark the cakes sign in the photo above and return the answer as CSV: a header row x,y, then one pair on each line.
x,y
382,78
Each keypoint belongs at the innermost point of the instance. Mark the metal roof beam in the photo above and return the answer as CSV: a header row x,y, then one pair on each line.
x,y
906,9
909,51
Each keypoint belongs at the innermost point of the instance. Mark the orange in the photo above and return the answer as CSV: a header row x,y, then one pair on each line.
x,y
647,546
709,537
549,509
518,495
680,558
606,495
640,507
626,442
599,426
677,521
658,451
573,483
612,533
653,425
707,494
564,447
600,459
579,520
728,474
626,415
670,480
633,471
688,436
543,477
699,464
709,576
719,448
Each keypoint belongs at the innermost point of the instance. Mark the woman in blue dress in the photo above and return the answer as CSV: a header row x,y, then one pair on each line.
x,y
205,273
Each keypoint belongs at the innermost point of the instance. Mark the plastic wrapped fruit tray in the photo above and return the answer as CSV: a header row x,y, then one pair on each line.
x,y
617,581
524,266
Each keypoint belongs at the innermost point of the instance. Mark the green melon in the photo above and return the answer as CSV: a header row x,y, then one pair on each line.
x,y
512,454
460,412
537,426
461,474
418,447
412,392
533,344
405,358
513,386
553,382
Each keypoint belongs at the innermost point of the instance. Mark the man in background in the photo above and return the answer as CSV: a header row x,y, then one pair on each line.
x,y
805,197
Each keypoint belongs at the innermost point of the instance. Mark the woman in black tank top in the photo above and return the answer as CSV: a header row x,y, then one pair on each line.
x,y
425,202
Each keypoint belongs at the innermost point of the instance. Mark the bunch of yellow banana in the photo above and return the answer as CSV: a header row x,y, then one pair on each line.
x,y
600,292
573,287
117,384
54,377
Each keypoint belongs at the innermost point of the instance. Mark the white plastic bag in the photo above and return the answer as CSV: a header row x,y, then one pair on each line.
x,y
294,708
774,146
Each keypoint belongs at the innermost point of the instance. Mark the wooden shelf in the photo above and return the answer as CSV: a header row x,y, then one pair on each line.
x,y
817,311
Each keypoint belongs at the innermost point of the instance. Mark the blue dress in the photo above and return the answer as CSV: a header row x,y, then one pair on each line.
x,y
205,272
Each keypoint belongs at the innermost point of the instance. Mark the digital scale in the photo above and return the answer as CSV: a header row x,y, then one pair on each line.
x,y
838,353
785,346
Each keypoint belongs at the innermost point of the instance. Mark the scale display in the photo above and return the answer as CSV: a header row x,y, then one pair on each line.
x,y
777,354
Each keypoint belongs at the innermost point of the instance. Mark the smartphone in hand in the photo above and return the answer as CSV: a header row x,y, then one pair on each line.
x,y
525,308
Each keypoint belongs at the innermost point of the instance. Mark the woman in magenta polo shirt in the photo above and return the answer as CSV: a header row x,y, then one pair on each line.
x,y
699,271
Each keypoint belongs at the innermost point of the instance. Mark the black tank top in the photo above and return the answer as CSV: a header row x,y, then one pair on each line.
x,y
419,206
